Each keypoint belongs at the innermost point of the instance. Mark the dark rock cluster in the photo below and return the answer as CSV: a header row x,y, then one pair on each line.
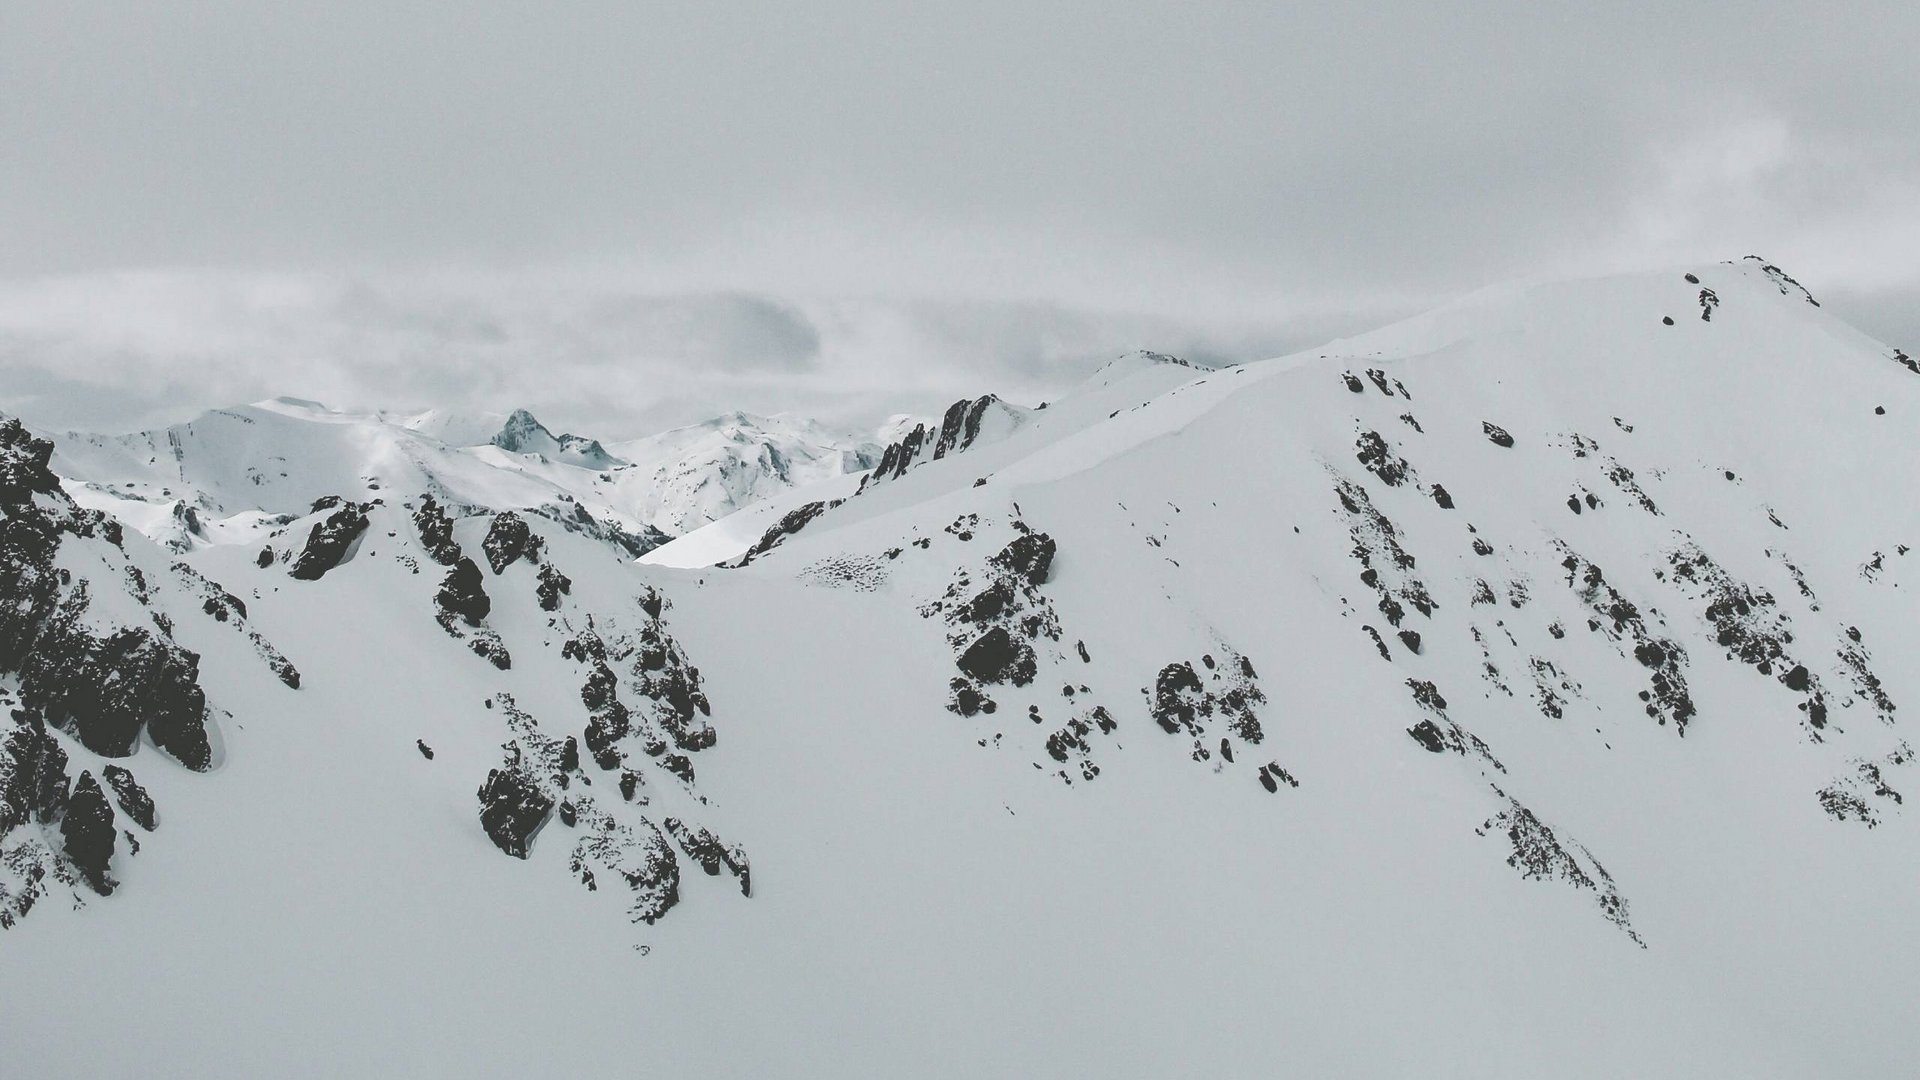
x,y
710,853
1749,625
1183,701
1610,614
1539,855
994,620
1865,791
1386,567
1379,459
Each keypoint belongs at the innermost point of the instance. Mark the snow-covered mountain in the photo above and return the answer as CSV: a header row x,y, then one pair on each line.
x,y
681,480
1518,690
231,475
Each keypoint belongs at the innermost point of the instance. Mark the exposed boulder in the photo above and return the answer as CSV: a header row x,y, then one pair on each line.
x,y
330,540
464,593
998,657
513,809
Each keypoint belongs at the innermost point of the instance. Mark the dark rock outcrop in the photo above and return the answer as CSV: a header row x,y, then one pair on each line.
x,y
133,799
997,657
329,541
88,834
509,539
513,809
33,774
553,585
464,593
1028,556
104,689
436,532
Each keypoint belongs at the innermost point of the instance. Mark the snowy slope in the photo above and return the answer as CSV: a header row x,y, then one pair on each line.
x,y
683,479
1514,691
231,475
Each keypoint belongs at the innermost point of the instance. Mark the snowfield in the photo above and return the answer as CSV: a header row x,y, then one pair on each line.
x,y
1520,690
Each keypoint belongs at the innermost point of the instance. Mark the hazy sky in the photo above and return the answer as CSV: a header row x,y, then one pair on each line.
x,y
627,214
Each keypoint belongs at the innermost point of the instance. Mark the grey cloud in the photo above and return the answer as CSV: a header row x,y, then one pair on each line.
x,y
727,330
853,199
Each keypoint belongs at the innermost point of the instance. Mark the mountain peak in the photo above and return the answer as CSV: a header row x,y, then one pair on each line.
x,y
524,434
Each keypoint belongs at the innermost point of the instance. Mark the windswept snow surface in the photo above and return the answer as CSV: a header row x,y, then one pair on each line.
x,y
1521,690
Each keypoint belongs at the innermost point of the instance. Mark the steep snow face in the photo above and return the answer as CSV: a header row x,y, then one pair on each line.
x,y
1526,678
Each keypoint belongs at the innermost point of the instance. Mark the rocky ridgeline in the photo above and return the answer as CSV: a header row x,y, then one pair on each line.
x,y
957,431
461,603
87,671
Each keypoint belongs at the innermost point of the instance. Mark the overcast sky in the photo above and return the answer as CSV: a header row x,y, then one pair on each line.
x,y
627,215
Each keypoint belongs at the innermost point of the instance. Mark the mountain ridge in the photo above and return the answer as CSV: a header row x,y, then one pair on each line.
x,y
1514,676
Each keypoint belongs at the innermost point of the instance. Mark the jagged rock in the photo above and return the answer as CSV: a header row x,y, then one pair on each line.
x,y
105,689
1372,451
1181,699
1427,734
33,774
1497,434
641,857
553,585
793,522
509,539
436,532
88,834
652,602
513,809
464,593
961,425
487,646
330,540
706,849
133,799
1028,556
